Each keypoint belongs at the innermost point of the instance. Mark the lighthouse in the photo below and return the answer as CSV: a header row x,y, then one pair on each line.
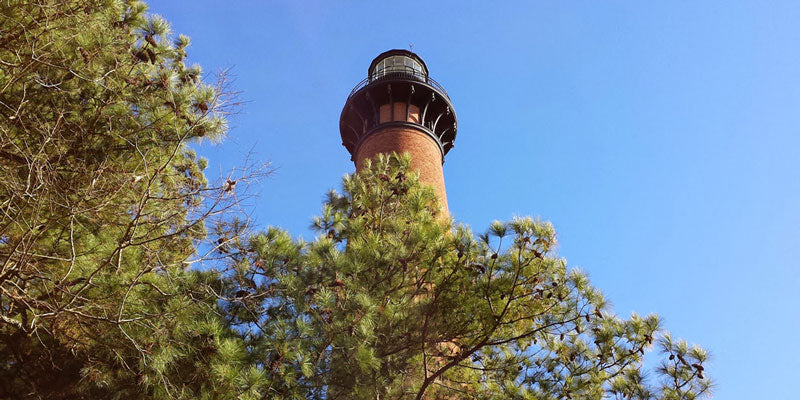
x,y
399,108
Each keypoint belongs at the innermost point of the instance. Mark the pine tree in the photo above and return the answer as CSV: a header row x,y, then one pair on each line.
x,y
393,302
103,205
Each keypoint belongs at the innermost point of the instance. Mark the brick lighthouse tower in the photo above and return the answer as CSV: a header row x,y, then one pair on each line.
x,y
399,108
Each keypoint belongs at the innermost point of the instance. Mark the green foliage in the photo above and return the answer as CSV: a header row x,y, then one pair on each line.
x,y
391,302
102,205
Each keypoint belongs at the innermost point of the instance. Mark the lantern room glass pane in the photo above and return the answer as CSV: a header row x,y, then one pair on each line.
x,y
398,64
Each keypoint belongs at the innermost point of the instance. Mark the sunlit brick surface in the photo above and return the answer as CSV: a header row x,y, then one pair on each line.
x,y
425,155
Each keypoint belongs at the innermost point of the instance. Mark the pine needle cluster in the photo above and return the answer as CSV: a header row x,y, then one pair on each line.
x,y
103,205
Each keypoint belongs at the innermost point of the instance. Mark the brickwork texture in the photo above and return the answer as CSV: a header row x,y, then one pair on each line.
x,y
425,155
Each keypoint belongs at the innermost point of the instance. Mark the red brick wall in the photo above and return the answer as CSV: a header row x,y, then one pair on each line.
x,y
425,155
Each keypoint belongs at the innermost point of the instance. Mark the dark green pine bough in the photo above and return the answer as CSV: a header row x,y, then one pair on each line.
x,y
113,286
103,205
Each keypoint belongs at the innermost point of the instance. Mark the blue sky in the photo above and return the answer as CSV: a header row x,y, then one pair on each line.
x,y
661,139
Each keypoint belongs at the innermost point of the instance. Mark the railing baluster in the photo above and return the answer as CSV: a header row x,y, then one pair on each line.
x,y
416,75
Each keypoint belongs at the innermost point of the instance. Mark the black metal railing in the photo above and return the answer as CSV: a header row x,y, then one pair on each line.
x,y
407,74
